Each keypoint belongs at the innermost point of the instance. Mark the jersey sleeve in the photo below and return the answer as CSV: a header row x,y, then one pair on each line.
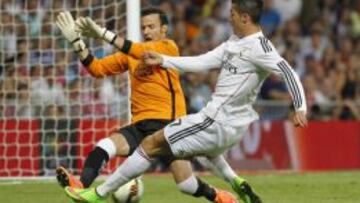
x,y
110,65
166,46
266,57
209,60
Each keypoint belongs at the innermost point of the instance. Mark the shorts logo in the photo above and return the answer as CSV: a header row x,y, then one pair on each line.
x,y
181,153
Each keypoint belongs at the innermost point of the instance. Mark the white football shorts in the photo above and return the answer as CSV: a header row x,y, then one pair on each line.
x,y
199,135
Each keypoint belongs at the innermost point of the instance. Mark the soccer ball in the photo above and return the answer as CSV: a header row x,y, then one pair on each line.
x,y
131,192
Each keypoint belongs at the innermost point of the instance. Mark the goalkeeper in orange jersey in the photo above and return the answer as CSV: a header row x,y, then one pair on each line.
x,y
156,100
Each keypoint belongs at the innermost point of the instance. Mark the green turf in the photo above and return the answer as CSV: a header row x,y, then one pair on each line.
x,y
342,187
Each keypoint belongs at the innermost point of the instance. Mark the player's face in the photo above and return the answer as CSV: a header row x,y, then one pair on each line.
x,y
238,20
235,19
152,29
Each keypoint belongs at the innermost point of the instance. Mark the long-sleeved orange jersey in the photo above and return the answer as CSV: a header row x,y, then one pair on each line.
x,y
156,92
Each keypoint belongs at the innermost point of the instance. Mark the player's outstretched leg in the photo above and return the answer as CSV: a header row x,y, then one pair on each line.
x,y
132,167
65,178
245,192
97,158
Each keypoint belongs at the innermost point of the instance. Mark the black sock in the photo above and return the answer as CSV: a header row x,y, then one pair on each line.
x,y
204,190
93,163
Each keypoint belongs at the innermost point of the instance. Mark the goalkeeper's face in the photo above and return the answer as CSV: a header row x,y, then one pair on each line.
x,y
152,28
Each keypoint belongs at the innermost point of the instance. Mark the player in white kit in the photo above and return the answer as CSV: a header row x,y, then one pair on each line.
x,y
245,60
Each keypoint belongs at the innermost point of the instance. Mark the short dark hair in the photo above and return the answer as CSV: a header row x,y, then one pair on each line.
x,y
153,10
252,7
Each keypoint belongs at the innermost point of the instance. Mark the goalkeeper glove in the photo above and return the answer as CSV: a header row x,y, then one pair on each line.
x,y
66,24
88,28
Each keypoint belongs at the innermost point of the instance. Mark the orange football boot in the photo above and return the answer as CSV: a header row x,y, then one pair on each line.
x,y
65,179
223,196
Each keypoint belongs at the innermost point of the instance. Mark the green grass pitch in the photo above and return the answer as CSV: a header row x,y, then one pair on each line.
x,y
334,187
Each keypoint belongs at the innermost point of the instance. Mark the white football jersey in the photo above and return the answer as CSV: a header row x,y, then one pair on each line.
x,y
245,64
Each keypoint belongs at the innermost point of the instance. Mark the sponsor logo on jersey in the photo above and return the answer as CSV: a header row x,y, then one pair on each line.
x,y
227,65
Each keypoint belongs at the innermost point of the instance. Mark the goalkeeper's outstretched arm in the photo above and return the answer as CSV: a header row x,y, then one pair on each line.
x,y
110,65
88,28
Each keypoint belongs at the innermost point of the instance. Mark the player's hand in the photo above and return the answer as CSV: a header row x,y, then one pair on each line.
x,y
151,58
65,22
88,28
299,119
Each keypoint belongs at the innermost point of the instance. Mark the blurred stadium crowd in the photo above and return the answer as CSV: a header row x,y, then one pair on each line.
x,y
41,77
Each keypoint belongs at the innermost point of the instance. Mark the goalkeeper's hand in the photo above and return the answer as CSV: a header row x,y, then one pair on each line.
x,y
88,28
65,22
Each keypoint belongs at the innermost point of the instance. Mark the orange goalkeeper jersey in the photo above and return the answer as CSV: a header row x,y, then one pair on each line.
x,y
156,92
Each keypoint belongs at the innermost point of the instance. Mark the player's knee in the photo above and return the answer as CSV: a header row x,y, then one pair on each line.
x,y
149,146
108,146
122,146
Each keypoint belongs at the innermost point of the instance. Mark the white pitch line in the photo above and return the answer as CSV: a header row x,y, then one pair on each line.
x,y
25,182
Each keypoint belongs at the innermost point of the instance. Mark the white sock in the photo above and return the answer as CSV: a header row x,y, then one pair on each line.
x,y
223,168
108,146
208,165
132,167
189,186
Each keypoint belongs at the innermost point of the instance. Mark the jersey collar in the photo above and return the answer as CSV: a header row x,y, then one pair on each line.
x,y
249,37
